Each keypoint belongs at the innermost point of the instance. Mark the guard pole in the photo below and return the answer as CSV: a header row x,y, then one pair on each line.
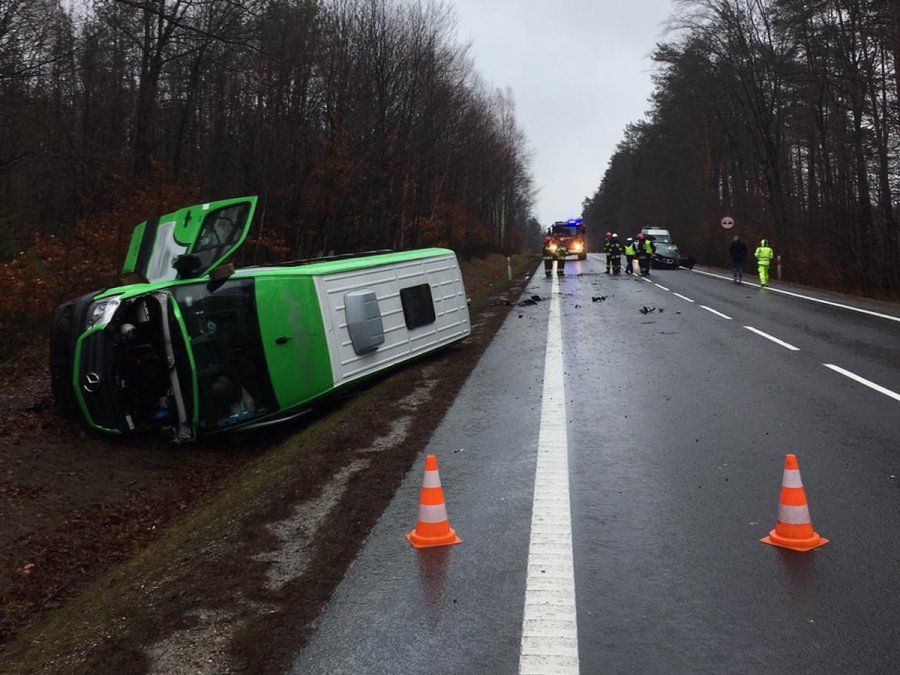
x,y
778,264
509,269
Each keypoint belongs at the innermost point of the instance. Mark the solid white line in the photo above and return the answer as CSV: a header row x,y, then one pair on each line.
x,y
889,317
773,339
661,286
645,279
853,376
718,276
683,297
549,629
716,312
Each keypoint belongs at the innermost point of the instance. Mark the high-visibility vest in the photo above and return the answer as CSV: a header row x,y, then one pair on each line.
x,y
629,249
648,247
764,255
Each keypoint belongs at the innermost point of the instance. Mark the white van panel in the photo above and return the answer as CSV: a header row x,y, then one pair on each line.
x,y
450,309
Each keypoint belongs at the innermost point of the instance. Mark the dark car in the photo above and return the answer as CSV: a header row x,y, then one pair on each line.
x,y
667,256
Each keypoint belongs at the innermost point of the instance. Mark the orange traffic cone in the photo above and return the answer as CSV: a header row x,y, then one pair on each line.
x,y
793,529
432,527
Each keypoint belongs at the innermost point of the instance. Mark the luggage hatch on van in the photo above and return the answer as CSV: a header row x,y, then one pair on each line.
x,y
188,243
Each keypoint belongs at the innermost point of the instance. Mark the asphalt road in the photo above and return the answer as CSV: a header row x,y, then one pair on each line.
x,y
677,424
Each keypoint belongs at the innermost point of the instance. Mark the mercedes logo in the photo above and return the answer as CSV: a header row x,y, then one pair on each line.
x,y
91,382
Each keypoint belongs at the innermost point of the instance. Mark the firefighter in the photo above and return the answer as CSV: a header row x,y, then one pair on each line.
x,y
555,249
550,247
615,250
561,252
764,256
629,255
645,249
606,246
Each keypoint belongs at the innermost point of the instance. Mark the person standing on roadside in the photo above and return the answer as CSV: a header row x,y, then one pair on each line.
x,y
645,250
629,255
615,251
606,249
738,251
764,255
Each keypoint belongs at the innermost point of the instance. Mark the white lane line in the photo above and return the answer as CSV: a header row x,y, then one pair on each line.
x,y
661,286
853,376
716,312
774,339
718,276
683,297
889,317
549,629
645,279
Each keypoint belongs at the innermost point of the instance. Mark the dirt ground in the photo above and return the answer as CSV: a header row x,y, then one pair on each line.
x,y
140,557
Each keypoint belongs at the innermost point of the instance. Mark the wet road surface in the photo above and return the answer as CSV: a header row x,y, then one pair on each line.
x,y
677,423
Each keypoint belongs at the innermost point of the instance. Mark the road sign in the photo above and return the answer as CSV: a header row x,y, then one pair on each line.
x,y
727,222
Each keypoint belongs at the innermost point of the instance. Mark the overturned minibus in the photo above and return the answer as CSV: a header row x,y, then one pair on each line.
x,y
194,347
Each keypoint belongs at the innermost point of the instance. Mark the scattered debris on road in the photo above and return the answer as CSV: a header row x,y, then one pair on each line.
x,y
533,300
647,310
599,298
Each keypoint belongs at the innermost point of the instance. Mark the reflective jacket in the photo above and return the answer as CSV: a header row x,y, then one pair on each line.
x,y
560,253
764,254
629,249
647,248
615,248
607,244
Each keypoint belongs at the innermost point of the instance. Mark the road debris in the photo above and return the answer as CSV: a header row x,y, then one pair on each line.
x,y
599,298
533,300
647,310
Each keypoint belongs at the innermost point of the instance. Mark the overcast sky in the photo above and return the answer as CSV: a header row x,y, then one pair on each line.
x,y
579,70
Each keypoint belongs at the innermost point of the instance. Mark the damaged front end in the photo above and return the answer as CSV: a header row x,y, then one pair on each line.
x,y
124,363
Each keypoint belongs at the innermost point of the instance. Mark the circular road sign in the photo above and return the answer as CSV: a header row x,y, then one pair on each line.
x,y
727,222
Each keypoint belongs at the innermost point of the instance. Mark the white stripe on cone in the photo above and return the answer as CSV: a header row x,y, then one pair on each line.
x,y
793,515
791,479
432,513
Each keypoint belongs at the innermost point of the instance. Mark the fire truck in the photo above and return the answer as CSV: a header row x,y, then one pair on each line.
x,y
571,233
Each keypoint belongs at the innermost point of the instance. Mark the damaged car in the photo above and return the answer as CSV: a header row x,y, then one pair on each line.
x,y
191,346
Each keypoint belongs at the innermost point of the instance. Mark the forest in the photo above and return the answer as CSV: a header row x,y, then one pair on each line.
x,y
361,124
783,114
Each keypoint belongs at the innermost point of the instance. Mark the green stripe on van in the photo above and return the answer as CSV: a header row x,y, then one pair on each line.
x,y
293,336
133,248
